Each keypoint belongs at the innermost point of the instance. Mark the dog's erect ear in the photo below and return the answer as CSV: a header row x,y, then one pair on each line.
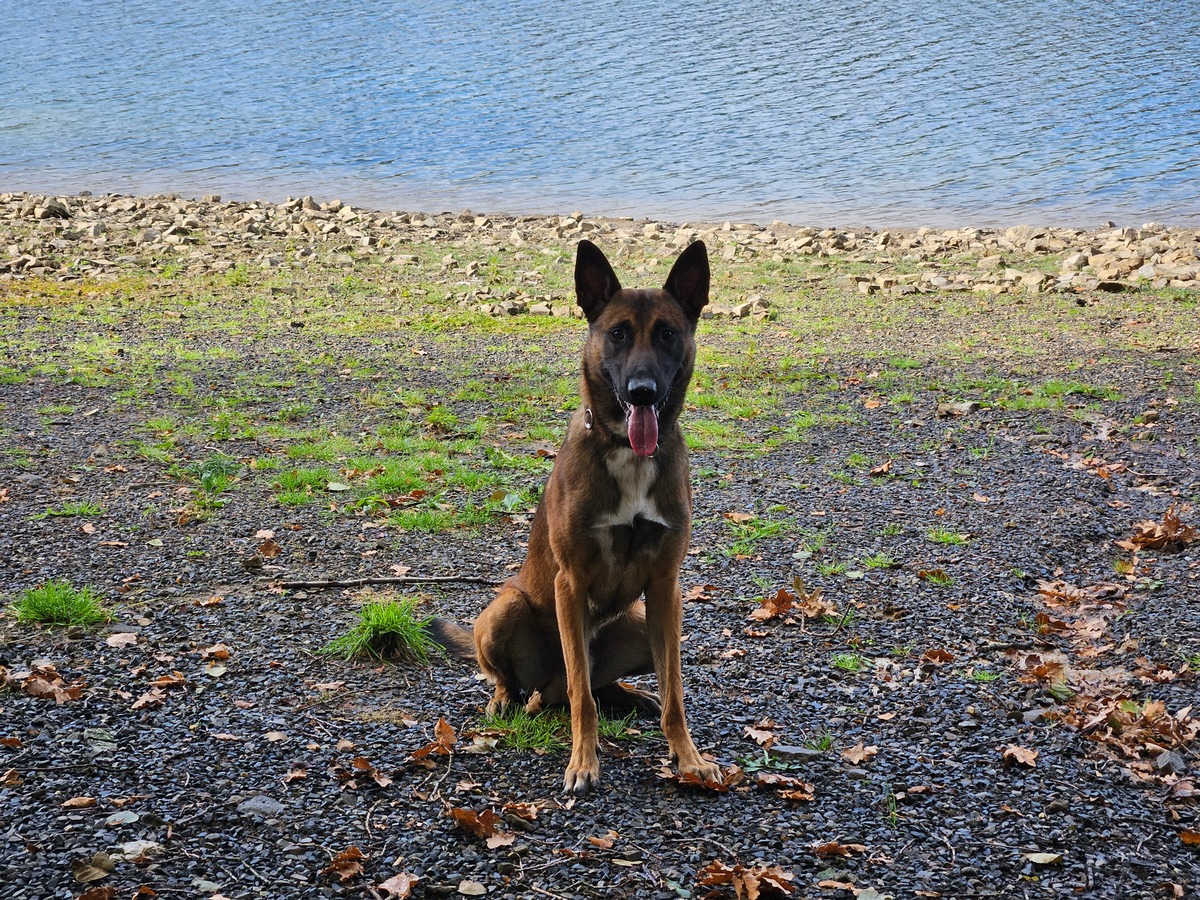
x,y
688,281
595,280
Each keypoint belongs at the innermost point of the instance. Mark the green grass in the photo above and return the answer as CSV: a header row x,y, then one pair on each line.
x,y
386,630
821,740
849,662
880,560
984,676
940,535
74,508
549,730
747,535
59,603
891,529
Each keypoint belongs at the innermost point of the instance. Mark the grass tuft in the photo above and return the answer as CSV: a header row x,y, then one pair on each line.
x,y
549,730
59,603
386,630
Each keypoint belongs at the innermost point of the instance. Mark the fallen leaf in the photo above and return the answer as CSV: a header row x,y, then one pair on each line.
x,y
938,656
121,639
760,736
295,775
398,887
1023,756
346,865
216,651
98,893
79,803
859,754
87,870
884,468
152,698
1190,838
470,888
738,518
269,549
730,777
481,824
786,786
442,744
749,881
1169,534
1044,859
172,680
834,848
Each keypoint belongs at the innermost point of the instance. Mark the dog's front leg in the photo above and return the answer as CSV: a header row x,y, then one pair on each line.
x,y
664,626
571,607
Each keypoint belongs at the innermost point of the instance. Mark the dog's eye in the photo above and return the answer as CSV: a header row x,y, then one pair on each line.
x,y
666,334
618,334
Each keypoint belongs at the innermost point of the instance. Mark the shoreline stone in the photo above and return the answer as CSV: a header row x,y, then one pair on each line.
x,y
70,237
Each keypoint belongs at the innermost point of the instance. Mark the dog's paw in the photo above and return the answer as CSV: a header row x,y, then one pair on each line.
x,y
704,770
581,777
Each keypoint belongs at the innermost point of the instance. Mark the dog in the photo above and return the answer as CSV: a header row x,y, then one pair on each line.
x,y
612,528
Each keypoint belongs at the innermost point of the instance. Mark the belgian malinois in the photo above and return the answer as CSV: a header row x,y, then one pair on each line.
x,y
612,527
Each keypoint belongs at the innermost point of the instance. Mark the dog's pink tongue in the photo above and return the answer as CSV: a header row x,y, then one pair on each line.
x,y
643,430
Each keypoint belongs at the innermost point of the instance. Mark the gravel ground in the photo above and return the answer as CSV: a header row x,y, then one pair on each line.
x,y
1003,716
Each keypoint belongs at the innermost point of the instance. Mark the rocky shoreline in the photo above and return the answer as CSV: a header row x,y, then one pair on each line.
x,y
71,237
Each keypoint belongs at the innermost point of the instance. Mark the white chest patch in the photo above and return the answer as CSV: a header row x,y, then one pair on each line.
x,y
635,475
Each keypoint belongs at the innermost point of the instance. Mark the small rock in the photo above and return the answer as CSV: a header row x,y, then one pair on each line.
x,y
261,807
1170,762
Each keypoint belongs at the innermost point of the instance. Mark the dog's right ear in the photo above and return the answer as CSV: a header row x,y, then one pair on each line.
x,y
595,280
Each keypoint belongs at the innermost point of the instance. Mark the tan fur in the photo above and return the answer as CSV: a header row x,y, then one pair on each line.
x,y
612,528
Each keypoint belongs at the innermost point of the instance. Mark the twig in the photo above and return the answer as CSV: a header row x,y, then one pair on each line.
x,y
323,584
841,624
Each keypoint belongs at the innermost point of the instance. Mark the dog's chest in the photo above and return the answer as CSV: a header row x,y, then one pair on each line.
x,y
635,478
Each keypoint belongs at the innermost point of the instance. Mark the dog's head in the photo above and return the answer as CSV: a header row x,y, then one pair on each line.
x,y
641,341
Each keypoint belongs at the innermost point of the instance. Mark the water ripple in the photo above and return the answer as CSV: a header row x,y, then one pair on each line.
x,y
898,113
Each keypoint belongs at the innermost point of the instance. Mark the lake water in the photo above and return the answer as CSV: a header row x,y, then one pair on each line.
x,y
831,113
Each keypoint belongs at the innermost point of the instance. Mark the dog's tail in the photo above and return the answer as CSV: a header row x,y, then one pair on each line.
x,y
455,639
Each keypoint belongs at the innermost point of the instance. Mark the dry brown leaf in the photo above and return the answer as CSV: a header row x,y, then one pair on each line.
x,y
486,824
172,680
525,811
346,865
751,882
730,777
786,786
216,651
398,887
1190,838
937,656
121,639
1019,756
859,754
738,518
884,468
442,744
760,736
269,549
46,683
79,803
98,893
97,867
152,698
1169,534
835,848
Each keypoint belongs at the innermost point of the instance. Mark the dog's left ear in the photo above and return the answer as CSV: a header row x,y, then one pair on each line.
x,y
595,280
689,278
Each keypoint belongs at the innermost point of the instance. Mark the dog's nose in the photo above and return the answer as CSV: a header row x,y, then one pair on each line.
x,y
642,391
